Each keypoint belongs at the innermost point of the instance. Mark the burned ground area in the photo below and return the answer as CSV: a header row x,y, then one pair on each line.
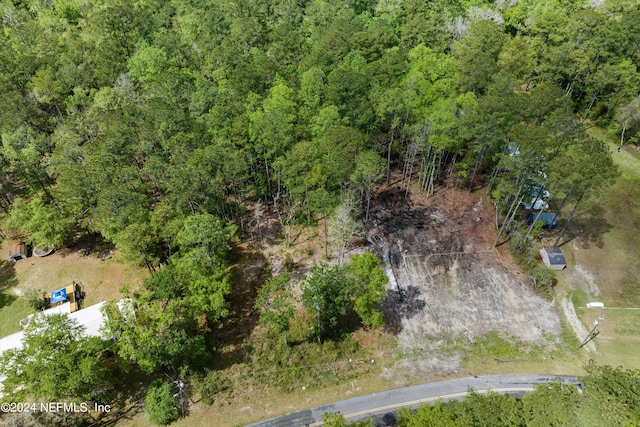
x,y
450,283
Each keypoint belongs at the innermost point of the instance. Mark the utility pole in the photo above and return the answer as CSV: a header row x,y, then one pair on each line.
x,y
181,393
594,332
180,385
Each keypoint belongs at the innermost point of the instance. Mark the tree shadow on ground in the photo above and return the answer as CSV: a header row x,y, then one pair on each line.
x,y
591,226
88,244
6,299
229,338
383,420
8,280
128,399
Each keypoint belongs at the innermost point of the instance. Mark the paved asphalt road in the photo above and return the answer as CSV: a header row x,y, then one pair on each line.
x,y
383,405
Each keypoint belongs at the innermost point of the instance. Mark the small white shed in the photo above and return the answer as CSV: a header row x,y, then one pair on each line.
x,y
553,257
595,305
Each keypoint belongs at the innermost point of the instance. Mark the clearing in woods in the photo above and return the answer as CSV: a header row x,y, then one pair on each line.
x,y
462,307
454,287
100,274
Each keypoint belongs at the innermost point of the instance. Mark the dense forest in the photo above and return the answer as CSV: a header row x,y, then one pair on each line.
x,y
160,125
138,119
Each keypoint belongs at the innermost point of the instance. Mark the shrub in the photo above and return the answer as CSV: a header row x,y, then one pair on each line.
x,y
541,279
536,231
210,385
161,405
520,246
519,243
302,326
35,299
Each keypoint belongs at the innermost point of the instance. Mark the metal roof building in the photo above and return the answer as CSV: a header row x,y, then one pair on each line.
x,y
550,219
91,318
553,257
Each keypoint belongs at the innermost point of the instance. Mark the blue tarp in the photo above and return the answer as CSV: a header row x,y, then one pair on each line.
x,y
59,295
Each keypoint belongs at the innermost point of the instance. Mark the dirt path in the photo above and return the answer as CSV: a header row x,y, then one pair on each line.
x,y
577,326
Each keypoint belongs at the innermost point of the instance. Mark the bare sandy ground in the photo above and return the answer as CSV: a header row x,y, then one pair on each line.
x,y
577,326
448,282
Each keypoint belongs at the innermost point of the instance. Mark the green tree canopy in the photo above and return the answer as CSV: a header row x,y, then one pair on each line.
x,y
204,235
477,55
57,361
44,224
326,294
154,335
275,299
369,288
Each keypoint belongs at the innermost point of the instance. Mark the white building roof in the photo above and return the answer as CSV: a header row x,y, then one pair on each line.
x,y
11,341
91,318
58,309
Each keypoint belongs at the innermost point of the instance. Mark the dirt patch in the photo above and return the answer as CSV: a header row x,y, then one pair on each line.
x,y
577,326
451,283
467,298
586,281
431,363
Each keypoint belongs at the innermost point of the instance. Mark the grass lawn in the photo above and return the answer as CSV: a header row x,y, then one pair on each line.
x,y
626,160
12,307
619,338
101,280
495,355
12,310
607,246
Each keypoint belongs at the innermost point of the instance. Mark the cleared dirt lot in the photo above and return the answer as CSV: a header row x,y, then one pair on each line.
x,y
452,284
